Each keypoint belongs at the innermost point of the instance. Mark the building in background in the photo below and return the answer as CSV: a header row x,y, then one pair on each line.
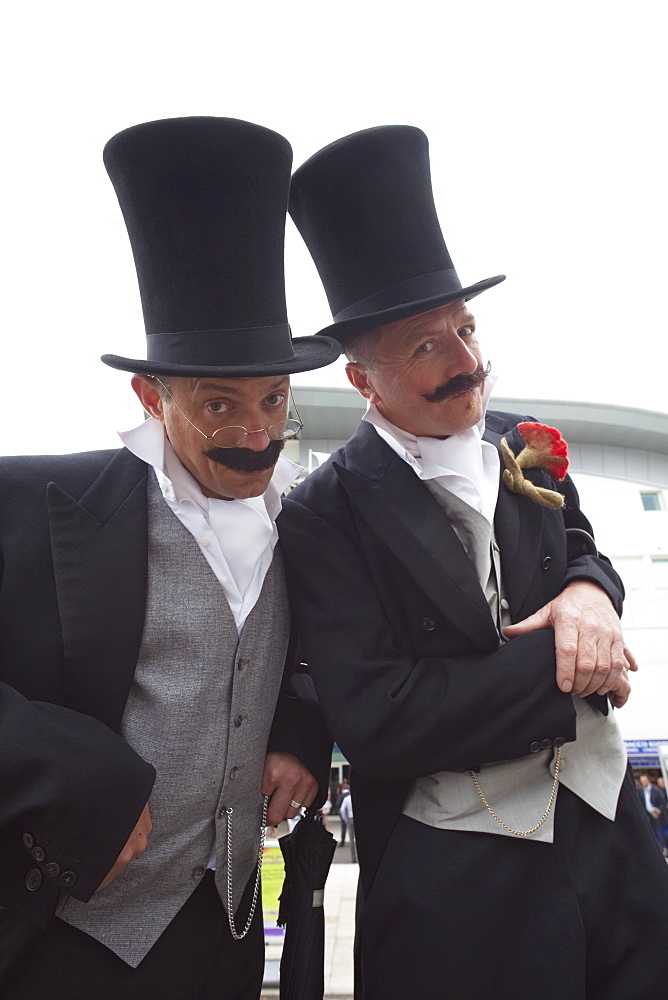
x,y
619,463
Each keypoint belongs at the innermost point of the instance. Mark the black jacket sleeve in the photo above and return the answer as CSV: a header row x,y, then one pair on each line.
x,y
70,787
585,562
298,726
388,712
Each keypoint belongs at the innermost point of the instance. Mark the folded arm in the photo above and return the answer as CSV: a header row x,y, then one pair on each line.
x,y
389,712
70,782
591,654
590,650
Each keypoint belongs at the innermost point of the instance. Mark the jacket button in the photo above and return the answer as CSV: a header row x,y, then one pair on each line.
x,y
559,741
535,747
546,744
52,869
234,772
198,872
33,879
428,624
28,841
238,719
546,562
67,879
38,853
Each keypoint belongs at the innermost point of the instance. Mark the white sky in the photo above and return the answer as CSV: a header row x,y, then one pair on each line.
x,y
547,131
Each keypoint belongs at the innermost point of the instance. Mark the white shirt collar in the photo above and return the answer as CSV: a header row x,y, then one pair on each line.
x,y
462,463
149,442
419,452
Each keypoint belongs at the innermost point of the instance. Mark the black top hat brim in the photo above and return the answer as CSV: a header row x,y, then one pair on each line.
x,y
346,330
308,353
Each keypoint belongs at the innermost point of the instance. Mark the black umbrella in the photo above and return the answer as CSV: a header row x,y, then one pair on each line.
x,y
307,853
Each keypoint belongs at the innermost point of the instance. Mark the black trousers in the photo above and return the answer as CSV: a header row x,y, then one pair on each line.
x,y
474,916
195,958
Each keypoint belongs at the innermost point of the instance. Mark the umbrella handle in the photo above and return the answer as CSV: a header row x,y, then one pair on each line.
x,y
310,812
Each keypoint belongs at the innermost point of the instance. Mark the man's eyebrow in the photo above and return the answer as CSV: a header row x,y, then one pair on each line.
x,y
235,390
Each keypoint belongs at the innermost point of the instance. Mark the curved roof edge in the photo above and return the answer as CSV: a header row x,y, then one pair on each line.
x,y
595,423
582,422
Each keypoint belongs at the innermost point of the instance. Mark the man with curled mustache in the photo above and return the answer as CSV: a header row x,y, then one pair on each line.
x,y
147,735
464,640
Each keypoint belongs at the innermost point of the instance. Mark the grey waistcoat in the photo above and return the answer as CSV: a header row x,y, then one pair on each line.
x,y
518,790
200,709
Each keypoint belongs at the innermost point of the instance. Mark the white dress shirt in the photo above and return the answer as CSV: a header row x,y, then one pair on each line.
x,y
237,537
648,799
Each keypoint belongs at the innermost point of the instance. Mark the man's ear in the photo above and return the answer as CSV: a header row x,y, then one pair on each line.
x,y
359,377
148,396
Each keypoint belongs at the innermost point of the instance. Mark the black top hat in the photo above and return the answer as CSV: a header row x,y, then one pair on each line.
x,y
205,202
365,209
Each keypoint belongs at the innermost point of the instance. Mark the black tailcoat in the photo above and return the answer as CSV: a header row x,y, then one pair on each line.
x,y
73,563
397,633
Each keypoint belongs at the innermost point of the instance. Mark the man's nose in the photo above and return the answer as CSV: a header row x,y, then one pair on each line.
x,y
257,439
461,359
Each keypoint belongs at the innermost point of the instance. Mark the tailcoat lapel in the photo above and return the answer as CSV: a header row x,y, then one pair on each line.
x,y
99,546
400,510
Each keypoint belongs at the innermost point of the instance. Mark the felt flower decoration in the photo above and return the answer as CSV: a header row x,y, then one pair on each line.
x,y
544,449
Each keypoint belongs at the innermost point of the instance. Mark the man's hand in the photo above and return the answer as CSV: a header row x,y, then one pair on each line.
x,y
591,655
286,780
136,845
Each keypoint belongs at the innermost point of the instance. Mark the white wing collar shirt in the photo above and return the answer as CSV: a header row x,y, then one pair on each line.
x,y
463,463
237,537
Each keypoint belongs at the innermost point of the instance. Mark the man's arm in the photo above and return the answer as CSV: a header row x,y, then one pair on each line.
x,y
591,654
300,747
73,785
590,650
393,715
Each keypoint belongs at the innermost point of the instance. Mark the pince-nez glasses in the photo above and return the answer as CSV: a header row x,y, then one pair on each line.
x,y
232,436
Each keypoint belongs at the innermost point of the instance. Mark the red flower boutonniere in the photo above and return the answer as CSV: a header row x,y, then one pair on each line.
x,y
544,449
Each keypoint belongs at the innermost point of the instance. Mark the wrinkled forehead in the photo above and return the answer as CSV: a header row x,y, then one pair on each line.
x,y
235,388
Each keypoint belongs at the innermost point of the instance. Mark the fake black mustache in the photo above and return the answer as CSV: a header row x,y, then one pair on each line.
x,y
460,383
245,460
